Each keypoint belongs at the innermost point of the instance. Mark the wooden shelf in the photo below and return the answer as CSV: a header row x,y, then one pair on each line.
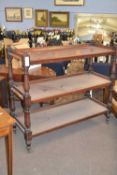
x,y
61,53
43,121
48,89
57,116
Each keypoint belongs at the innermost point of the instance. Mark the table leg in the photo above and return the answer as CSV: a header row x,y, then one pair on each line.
x,y
8,143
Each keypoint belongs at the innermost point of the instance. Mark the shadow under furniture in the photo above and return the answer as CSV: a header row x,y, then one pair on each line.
x,y
43,120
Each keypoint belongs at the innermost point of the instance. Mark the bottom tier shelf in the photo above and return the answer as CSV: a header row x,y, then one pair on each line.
x,y
53,118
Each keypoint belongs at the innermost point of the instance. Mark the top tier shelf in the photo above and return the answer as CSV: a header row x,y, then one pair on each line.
x,y
61,53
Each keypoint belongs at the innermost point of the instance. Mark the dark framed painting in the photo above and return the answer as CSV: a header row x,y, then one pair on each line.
x,y
59,19
13,14
41,18
69,2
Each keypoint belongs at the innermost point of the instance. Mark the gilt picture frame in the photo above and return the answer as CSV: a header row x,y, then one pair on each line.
x,y
59,19
69,2
13,14
41,18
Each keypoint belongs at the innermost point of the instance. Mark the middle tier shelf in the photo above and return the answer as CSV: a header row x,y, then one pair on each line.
x,y
43,90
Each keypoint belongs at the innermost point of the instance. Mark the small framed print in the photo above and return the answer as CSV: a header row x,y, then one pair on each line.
x,y
59,19
41,18
28,13
13,14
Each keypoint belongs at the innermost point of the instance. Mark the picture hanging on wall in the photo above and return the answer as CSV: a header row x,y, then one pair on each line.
x,y
69,2
28,13
13,14
59,19
41,18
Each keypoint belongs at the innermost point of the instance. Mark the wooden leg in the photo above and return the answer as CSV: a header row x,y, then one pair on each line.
x,y
28,139
107,99
8,142
106,95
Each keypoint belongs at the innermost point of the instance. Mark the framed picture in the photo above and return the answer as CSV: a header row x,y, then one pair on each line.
x,y
13,14
59,19
28,13
69,2
41,18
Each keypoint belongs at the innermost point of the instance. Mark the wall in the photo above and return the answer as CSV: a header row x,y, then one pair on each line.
x,y
90,6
